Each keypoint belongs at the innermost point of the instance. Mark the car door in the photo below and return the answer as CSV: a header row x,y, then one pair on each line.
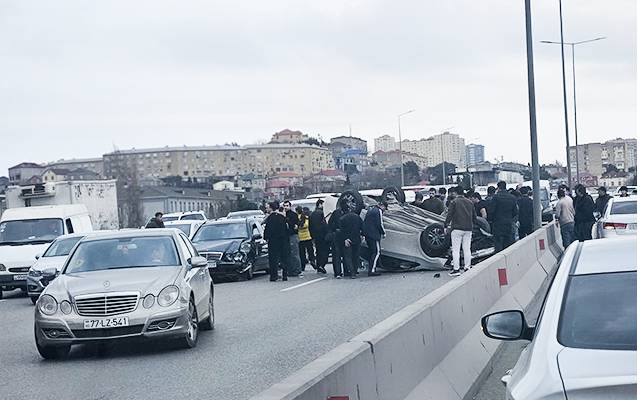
x,y
196,276
261,258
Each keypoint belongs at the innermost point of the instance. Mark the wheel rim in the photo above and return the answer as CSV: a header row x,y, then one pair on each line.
x,y
436,237
192,323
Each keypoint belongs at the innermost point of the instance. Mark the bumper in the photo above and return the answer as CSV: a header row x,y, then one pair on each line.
x,y
8,281
69,330
228,268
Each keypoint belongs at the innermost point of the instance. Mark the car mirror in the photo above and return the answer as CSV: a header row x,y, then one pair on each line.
x,y
197,262
37,256
50,272
506,325
257,236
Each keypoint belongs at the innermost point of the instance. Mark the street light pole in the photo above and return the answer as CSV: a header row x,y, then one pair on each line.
x,y
568,145
400,148
535,164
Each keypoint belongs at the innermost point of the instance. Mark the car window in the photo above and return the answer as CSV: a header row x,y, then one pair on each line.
x,y
61,247
119,253
624,207
192,217
599,312
185,228
220,232
168,219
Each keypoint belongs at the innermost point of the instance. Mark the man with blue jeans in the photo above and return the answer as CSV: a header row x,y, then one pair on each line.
x,y
565,214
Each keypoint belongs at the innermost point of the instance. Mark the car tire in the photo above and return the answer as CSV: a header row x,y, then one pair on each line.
x,y
189,340
0,293
34,299
392,192
208,324
434,241
354,200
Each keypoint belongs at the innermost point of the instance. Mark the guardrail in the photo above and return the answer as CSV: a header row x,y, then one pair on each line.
x,y
433,348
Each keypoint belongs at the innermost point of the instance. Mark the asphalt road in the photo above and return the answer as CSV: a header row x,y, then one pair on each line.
x,y
264,332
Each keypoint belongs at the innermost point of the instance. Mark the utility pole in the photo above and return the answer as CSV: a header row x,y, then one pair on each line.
x,y
400,148
535,164
568,145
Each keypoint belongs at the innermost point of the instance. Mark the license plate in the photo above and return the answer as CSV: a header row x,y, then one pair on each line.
x,y
105,323
632,227
22,277
212,264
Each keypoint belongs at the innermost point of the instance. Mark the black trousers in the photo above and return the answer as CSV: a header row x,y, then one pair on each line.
x,y
306,251
277,257
374,254
337,257
322,252
352,258
583,231
525,231
502,239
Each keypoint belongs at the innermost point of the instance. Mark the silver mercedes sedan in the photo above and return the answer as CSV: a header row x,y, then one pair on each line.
x,y
584,345
142,283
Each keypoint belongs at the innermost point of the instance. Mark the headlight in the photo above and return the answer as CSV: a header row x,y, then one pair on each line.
x,y
65,307
2,268
227,256
238,256
47,305
35,272
168,296
149,300
246,247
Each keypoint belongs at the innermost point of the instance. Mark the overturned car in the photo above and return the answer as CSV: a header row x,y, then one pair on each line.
x,y
416,238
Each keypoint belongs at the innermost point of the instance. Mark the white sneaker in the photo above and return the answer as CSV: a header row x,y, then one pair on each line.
x,y
455,272
301,275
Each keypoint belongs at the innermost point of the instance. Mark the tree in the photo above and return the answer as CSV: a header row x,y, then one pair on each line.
x,y
435,173
315,142
412,173
244,204
611,168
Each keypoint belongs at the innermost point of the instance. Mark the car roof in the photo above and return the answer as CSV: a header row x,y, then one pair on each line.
x,y
129,233
607,256
72,235
230,221
43,212
624,199
183,222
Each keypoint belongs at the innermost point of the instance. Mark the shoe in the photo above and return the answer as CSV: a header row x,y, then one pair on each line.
x,y
338,276
374,273
353,276
455,272
273,280
321,270
301,275
285,279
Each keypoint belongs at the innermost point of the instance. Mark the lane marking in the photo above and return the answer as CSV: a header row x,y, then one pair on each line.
x,y
304,284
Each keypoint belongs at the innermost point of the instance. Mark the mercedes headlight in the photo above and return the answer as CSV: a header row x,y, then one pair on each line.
x,y
168,296
35,272
47,304
227,256
149,300
2,268
246,247
238,256
66,307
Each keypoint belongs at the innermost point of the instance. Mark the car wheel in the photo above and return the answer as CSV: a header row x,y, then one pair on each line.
x,y
0,293
393,193
34,299
190,339
353,199
434,241
208,324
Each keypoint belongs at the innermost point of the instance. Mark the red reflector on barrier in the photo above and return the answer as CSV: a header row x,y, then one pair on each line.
x,y
502,276
541,244
338,398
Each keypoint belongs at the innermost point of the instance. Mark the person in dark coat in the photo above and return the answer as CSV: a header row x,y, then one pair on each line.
x,y
294,256
277,236
584,219
433,203
374,231
525,217
156,221
502,211
351,232
418,201
319,230
602,200
335,238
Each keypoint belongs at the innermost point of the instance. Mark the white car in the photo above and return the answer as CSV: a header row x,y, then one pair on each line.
x,y
189,227
186,215
619,219
584,345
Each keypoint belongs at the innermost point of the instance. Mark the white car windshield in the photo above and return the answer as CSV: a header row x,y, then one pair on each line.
x,y
130,252
221,231
61,247
30,231
624,207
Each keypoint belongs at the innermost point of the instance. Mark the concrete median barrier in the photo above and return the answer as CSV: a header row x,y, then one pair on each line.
x,y
433,348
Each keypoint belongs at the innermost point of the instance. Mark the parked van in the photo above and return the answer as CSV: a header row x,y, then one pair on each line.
x,y
26,232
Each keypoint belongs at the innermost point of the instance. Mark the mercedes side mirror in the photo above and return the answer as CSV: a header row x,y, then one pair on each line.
x,y
507,325
50,272
37,256
198,262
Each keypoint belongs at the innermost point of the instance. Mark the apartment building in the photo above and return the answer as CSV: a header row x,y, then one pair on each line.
x,y
385,143
92,164
474,154
446,146
589,158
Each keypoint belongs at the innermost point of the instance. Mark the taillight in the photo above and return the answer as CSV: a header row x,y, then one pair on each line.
x,y
614,225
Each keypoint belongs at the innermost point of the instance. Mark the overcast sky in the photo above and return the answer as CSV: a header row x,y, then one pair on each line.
x,y
79,78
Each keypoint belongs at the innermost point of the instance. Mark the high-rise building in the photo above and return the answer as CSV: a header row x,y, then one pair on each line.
x,y
589,158
446,146
385,143
474,154
620,153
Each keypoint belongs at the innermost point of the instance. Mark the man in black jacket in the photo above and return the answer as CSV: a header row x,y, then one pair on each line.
x,y
433,204
335,238
276,234
294,256
374,231
318,231
525,205
584,219
502,210
351,232
156,221
602,200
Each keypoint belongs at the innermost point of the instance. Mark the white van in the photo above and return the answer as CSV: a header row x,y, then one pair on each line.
x,y
26,232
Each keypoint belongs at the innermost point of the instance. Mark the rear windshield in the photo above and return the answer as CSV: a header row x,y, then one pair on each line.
x,y
130,252
61,247
600,312
168,219
624,207
185,228
193,217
